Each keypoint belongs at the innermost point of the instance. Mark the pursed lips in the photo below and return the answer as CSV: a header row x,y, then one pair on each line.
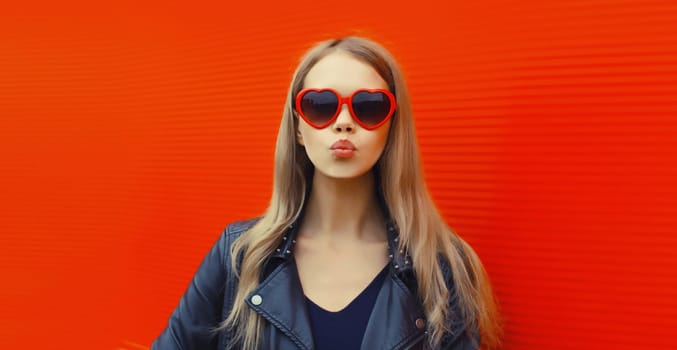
x,y
343,145
343,149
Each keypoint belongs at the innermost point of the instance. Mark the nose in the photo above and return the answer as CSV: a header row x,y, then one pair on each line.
x,y
344,122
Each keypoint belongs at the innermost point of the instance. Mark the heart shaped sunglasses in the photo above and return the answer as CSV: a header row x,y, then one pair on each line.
x,y
370,108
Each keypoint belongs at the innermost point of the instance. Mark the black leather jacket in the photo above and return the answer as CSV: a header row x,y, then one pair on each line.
x,y
397,320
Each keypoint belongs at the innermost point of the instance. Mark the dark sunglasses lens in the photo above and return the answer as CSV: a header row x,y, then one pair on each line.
x,y
319,107
371,107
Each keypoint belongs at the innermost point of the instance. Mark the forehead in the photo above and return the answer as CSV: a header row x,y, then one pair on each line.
x,y
343,72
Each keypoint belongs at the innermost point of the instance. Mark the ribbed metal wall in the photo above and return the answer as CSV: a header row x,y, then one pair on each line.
x,y
131,135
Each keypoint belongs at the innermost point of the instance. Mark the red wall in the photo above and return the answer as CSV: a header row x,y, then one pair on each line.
x,y
131,135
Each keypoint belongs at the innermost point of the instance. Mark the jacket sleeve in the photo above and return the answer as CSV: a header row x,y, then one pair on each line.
x,y
200,308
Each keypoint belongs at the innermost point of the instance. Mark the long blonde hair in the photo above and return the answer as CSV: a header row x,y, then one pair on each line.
x,y
423,232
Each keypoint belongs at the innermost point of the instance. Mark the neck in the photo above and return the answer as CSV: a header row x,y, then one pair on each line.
x,y
344,209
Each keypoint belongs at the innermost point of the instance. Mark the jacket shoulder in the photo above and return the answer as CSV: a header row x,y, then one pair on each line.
x,y
236,228
206,300
232,232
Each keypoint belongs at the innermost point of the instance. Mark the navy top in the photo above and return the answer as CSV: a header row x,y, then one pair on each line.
x,y
344,329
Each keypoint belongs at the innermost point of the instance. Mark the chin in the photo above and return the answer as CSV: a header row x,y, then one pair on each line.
x,y
343,174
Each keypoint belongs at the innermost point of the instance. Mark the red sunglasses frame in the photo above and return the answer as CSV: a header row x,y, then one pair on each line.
x,y
345,100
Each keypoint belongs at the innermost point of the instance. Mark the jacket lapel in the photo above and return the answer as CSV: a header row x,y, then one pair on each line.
x,y
397,320
280,300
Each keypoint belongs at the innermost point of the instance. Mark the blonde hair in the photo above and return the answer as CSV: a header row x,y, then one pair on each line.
x,y
423,232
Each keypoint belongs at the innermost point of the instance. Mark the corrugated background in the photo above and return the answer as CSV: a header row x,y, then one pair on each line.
x,y
131,134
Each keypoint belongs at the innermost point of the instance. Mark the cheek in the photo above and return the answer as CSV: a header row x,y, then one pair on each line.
x,y
382,136
306,134
312,139
376,144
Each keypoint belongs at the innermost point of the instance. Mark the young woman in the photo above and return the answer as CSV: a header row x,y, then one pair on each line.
x,y
352,252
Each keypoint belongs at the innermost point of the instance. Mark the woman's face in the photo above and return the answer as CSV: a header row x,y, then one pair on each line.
x,y
345,74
